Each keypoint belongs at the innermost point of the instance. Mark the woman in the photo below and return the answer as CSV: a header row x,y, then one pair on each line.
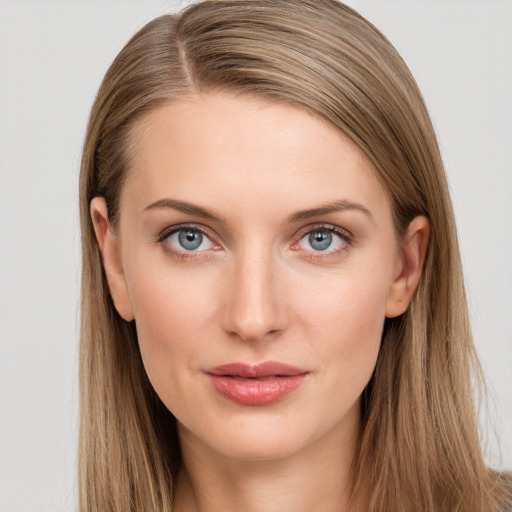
x,y
273,306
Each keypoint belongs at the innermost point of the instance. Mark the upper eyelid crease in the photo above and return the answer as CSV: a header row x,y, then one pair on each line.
x,y
344,234
182,253
322,226
170,230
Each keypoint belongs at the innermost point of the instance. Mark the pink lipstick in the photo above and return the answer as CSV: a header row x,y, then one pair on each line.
x,y
259,384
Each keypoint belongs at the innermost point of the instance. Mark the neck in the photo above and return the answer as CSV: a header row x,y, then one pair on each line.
x,y
317,477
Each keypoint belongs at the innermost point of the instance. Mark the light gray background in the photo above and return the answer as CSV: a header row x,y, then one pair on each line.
x,y
53,55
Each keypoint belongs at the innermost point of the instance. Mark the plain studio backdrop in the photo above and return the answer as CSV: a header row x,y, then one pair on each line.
x,y
53,55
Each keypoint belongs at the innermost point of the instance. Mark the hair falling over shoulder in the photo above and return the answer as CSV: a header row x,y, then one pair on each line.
x,y
419,444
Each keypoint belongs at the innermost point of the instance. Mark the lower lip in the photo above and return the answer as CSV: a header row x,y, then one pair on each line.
x,y
261,391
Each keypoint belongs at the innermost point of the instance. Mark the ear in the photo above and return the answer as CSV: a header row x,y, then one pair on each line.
x,y
111,255
412,257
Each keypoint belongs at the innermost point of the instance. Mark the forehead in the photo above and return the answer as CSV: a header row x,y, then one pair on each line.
x,y
244,151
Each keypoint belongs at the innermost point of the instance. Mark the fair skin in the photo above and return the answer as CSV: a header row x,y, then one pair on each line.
x,y
216,265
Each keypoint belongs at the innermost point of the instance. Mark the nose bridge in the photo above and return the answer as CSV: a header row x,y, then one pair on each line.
x,y
255,306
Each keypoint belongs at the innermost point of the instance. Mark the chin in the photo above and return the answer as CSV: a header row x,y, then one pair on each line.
x,y
259,434
258,446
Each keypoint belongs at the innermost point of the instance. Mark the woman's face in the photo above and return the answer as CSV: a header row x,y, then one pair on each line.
x,y
257,254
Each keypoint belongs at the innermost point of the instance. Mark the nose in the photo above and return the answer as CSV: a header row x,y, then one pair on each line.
x,y
255,307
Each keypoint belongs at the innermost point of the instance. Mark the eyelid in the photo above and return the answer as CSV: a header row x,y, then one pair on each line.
x,y
332,228
346,236
170,230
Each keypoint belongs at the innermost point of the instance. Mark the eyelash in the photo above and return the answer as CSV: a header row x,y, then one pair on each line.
x,y
345,236
166,233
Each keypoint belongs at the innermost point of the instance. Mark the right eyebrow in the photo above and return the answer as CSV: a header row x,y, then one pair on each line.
x,y
336,206
184,207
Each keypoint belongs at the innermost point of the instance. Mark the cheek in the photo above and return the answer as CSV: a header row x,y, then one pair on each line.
x,y
345,320
172,312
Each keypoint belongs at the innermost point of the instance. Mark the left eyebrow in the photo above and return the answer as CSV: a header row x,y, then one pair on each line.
x,y
184,207
336,206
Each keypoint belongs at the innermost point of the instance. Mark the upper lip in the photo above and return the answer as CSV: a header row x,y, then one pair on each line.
x,y
266,369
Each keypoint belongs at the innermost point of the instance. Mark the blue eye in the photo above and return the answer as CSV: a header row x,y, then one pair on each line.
x,y
322,240
190,240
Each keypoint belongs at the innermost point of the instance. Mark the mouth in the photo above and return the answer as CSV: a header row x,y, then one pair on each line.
x,y
256,385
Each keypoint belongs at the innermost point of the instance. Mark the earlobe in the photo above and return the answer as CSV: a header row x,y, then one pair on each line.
x,y
413,251
111,256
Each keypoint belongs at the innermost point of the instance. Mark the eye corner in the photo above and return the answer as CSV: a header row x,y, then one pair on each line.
x,y
337,250
187,241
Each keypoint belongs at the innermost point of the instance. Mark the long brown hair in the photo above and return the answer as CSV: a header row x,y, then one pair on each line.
x,y
419,444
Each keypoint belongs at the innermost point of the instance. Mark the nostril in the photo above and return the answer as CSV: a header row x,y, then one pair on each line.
x,y
255,335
